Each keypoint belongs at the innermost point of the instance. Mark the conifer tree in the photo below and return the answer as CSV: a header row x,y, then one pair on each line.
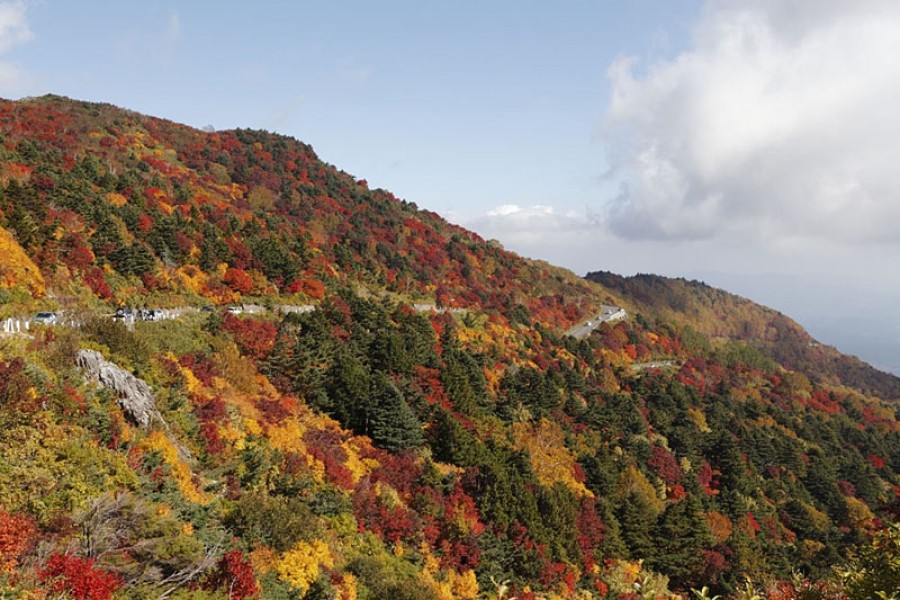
x,y
636,518
388,419
348,385
678,540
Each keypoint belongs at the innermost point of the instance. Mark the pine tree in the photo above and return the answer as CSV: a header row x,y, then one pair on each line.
x,y
347,389
636,518
388,419
679,539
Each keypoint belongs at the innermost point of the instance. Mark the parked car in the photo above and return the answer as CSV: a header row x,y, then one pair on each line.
x,y
151,314
235,310
46,318
123,314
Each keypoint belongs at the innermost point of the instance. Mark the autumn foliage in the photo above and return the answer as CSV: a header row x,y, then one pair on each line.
x,y
17,534
79,578
399,413
235,575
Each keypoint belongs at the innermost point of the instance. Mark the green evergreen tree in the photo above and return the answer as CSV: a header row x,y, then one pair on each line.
x,y
612,544
451,443
680,536
347,388
636,519
388,419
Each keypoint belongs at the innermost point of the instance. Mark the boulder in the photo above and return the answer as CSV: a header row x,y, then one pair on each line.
x,y
134,395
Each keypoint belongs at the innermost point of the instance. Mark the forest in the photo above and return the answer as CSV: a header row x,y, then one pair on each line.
x,y
427,431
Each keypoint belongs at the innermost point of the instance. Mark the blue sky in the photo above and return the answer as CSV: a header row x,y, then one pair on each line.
x,y
445,104
746,143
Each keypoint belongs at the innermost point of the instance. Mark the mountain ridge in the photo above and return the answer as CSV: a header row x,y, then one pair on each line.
x,y
741,319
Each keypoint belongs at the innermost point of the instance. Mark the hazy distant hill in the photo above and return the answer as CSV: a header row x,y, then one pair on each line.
x,y
347,437
719,314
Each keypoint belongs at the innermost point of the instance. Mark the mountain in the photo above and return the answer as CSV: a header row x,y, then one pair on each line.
x,y
91,185
718,314
339,395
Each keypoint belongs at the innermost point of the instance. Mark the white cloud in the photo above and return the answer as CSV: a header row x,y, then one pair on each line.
x,y
779,121
536,223
521,213
14,30
537,231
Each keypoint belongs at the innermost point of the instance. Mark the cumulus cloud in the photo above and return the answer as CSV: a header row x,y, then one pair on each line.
x,y
14,30
779,121
13,25
537,230
534,224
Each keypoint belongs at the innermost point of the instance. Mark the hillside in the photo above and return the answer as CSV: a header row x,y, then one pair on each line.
x,y
190,215
335,433
718,314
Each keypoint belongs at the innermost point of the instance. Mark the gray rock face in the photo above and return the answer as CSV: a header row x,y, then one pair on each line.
x,y
135,396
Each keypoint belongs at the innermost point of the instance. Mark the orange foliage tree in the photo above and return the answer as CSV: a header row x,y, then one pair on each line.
x,y
238,280
17,534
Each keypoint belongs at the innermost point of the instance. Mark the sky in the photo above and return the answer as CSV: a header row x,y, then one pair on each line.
x,y
748,144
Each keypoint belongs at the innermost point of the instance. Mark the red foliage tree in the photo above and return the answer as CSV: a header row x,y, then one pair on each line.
x,y
214,443
235,574
665,466
96,280
144,223
255,337
707,476
590,532
78,577
17,534
391,524
79,258
313,288
876,461
201,365
337,473
238,280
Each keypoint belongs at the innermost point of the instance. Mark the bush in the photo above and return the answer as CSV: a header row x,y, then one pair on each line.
x,y
278,522
78,577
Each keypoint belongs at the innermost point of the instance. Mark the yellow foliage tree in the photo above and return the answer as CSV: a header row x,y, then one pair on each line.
x,y
261,198
719,526
463,585
551,460
300,566
860,514
181,472
633,480
347,589
116,199
16,268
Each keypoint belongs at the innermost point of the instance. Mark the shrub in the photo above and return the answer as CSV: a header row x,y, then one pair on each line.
x,y
78,577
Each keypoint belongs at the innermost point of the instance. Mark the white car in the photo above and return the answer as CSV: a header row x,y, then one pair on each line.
x,y
46,318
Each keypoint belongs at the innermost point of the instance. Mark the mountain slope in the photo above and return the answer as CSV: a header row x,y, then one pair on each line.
x,y
718,314
222,214
337,441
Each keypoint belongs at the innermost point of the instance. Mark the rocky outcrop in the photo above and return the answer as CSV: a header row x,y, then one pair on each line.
x,y
134,395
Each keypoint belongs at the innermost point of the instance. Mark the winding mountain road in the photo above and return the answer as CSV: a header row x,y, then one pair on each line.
x,y
607,314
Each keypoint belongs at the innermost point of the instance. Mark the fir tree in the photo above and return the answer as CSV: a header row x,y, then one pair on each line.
x,y
636,518
678,540
388,419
